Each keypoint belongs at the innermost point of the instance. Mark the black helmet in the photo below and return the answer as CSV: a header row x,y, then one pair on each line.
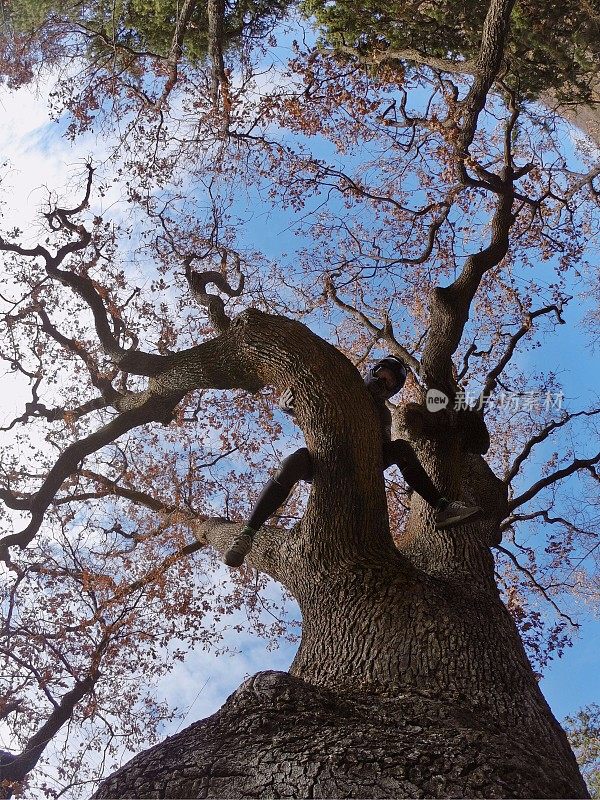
x,y
395,365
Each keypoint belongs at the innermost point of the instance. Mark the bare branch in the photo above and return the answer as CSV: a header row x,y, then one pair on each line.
x,y
545,515
150,408
20,765
135,495
215,306
540,437
543,590
385,332
491,377
576,465
133,361
38,410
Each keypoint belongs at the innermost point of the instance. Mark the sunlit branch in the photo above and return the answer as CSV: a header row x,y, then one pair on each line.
x,y
198,281
583,180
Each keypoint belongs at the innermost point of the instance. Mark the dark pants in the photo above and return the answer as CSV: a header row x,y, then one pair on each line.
x,y
298,467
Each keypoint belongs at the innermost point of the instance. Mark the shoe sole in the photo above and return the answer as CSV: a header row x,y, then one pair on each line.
x,y
454,520
233,560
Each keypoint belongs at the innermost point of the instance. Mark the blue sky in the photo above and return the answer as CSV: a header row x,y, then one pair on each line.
x,y
41,157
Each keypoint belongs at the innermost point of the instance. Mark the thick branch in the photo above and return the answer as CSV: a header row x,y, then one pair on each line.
x,y
216,19
266,554
489,60
16,767
407,54
183,19
450,305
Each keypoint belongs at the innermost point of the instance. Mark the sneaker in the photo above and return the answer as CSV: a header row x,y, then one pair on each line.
x,y
240,547
454,513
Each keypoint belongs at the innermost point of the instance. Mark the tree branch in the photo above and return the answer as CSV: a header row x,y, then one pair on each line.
x,y
385,332
133,361
540,437
489,61
149,408
537,585
183,19
266,553
575,466
216,18
198,281
493,374
450,305
544,513
407,54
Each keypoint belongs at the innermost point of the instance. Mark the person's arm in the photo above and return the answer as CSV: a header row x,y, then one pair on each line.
x,y
287,402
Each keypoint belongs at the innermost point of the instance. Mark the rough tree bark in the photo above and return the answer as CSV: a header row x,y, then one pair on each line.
x,y
410,679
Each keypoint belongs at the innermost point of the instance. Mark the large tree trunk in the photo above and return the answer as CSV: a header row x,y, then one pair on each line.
x,y
404,686
411,679
278,736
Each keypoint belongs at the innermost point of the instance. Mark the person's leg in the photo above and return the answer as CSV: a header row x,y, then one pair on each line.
x,y
447,512
400,452
296,467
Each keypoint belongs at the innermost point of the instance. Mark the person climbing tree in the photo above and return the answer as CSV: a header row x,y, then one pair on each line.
x,y
385,379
